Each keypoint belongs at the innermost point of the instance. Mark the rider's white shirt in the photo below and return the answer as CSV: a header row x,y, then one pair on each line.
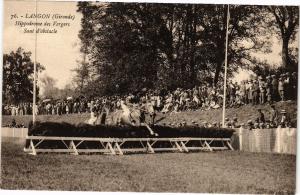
x,y
125,108
93,118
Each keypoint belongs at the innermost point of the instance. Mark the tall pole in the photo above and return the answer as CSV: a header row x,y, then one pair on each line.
x,y
34,70
225,73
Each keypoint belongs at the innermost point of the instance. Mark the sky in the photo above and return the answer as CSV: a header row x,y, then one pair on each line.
x,y
59,52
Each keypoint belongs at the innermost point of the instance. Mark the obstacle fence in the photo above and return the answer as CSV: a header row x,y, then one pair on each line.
x,y
119,146
107,131
112,140
67,138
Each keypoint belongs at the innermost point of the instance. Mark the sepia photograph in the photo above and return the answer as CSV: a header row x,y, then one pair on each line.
x,y
149,97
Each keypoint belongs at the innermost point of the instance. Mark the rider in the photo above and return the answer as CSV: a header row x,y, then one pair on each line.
x,y
124,107
94,116
104,113
143,112
127,112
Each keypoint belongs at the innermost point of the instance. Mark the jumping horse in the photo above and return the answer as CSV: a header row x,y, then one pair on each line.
x,y
128,116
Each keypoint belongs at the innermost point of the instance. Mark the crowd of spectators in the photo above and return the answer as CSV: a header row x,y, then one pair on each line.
x,y
277,119
258,90
19,109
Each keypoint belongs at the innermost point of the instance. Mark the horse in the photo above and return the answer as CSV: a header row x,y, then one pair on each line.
x,y
97,117
148,108
133,116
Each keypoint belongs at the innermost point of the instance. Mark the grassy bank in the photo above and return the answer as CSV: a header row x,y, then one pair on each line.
x,y
244,113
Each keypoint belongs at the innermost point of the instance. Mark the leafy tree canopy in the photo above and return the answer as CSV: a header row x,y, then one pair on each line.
x,y
130,46
18,71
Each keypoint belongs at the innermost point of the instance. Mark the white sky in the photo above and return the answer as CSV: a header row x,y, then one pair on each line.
x,y
59,52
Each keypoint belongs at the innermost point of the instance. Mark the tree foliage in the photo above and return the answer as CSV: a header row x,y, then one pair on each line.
x,y
48,85
82,76
18,71
287,21
130,46
51,91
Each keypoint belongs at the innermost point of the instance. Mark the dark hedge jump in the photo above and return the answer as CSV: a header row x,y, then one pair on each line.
x,y
105,131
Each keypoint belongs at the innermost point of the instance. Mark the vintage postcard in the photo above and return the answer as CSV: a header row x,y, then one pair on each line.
x,y
149,97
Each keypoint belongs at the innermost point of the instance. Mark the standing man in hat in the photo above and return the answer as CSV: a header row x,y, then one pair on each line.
x,y
261,117
249,125
281,89
262,91
234,122
248,86
250,92
274,116
274,83
285,120
244,92
255,92
227,122
269,90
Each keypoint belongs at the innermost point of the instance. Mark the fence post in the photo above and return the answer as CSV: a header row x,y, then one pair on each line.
x,y
278,139
241,138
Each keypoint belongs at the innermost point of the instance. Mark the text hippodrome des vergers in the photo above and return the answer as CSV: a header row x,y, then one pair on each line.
x,y
42,20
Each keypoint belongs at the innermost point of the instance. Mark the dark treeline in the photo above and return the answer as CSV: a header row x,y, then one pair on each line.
x,y
18,71
131,46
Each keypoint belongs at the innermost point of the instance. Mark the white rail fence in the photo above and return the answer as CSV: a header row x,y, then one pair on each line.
x,y
14,132
280,140
119,146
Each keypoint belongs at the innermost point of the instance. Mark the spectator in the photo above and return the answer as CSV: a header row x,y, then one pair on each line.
x,y
274,84
255,92
281,89
274,116
285,120
13,123
269,90
261,117
262,91
250,125
205,97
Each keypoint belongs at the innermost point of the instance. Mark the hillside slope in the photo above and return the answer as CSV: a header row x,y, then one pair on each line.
x,y
243,113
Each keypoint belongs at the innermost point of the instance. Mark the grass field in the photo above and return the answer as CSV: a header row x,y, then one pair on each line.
x,y
244,113
216,172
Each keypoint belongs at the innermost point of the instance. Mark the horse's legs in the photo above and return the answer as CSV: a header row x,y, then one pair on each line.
x,y
153,118
150,130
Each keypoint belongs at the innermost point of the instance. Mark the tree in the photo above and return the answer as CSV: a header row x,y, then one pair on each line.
x,y
49,89
18,70
115,52
81,78
135,45
247,33
287,20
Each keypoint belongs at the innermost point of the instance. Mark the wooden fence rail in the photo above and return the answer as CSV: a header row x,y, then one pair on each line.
x,y
119,146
